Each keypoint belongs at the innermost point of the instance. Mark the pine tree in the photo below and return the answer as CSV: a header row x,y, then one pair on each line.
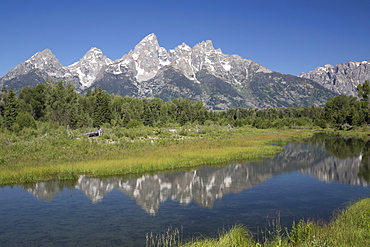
x,y
2,99
56,102
10,108
102,112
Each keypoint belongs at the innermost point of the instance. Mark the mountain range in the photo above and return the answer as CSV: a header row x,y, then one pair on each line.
x,y
201,72
341,78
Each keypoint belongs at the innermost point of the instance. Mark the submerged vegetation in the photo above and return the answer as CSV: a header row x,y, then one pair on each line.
x,y
350,227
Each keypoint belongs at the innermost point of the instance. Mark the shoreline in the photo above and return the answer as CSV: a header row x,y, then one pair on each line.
x,y
146,155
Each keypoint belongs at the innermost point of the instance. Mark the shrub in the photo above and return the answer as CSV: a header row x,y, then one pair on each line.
x,y
320,123
134,124
25,120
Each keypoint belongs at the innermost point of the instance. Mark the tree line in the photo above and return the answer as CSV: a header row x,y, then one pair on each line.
x,y
61,104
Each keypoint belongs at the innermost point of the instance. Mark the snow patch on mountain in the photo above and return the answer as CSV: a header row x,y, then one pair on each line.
x,y
89,66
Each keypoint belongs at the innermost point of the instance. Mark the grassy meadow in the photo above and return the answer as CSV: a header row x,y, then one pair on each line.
x,y
55,152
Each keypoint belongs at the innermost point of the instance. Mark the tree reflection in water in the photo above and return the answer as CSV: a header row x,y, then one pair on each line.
x,y
346,147
329,158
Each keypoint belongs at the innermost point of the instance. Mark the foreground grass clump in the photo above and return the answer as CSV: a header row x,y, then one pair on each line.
x,y
237,236
58,153
350,227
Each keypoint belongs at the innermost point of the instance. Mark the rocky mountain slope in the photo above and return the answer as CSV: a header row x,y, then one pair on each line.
x,y
202,72
341,78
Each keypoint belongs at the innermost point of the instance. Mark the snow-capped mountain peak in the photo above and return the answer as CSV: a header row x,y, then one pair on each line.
x,y
148,58
89,66
43,62
200,72
44,59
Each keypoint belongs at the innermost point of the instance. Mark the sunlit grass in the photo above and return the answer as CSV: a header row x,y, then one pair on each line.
x,y
351,227
237,236
66,157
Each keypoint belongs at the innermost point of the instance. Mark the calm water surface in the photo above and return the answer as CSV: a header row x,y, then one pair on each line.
x,y
307,180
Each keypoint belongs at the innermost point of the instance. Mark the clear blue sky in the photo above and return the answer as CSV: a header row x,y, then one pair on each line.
x,y
291,36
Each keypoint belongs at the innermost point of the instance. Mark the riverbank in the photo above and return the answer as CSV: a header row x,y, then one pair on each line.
x,y
58,153
350,227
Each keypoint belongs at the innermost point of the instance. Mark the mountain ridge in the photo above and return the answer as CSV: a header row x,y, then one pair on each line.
x,y
200,72
341,78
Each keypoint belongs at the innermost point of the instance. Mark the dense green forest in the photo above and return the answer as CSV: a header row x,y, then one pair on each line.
x,y
59,103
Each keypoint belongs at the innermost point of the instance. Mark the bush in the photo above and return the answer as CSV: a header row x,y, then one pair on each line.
x,y
25,120
320,123
134,124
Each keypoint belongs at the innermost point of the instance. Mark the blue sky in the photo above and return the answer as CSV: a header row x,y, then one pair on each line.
x,y
290,36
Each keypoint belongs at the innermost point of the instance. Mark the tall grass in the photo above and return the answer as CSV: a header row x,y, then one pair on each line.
x,y
350,227
55,153
235,237
170,237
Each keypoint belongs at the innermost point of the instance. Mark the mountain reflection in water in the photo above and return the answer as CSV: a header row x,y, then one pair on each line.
x,y
326,159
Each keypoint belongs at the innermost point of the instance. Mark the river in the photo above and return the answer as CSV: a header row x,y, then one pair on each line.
x,y
308,179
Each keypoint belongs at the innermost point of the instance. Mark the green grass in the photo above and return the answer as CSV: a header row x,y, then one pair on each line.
x,y
54,154
237,236
351,227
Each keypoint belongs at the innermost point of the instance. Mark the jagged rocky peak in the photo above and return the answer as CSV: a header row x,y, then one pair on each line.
x,y
341,78
190,61
89,66
205,46
144,61
146,47
95,55
44,61
149,70
230,68
148,58
42,56
179,50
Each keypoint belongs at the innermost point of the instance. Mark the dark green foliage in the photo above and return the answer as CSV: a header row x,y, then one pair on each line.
x,y
11,108
2,101
25,120
344,109
364,91
134,124
33,100
101,111
60,104
320,123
